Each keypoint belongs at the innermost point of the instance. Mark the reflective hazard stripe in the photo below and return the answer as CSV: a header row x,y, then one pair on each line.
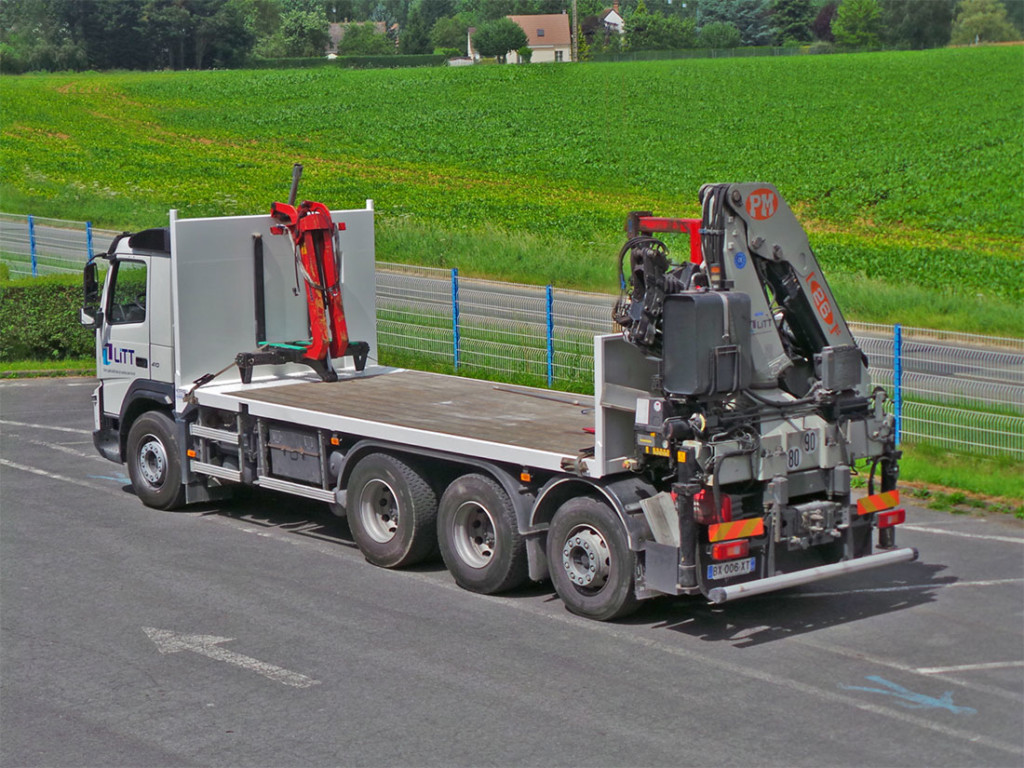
x,y
878,502
740,529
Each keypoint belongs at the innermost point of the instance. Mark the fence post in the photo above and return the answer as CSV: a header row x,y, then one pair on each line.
x,y
551,336
897,377
455,315
88,241
32,245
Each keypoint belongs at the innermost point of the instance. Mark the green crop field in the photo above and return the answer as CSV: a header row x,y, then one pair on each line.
x,y
907,169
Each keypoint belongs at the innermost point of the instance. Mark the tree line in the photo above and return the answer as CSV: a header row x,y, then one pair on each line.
x,y
200,34
846,24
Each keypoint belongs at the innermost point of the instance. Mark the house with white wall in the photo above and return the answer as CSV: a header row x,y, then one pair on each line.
x,y
612,19
548,36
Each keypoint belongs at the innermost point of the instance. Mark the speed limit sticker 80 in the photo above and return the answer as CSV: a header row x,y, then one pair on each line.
x,y
802,450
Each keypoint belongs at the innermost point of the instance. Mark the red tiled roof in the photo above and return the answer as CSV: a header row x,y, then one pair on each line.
x,y
545,30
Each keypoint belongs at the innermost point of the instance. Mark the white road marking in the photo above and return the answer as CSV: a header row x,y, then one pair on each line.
x,y
209,646
63,448
52,475
969,667
961,534
46,426
855,653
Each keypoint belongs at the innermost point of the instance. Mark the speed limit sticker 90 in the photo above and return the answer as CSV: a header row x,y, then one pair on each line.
x,y
802,449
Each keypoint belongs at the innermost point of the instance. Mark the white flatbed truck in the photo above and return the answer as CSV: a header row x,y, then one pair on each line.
x,y
616,498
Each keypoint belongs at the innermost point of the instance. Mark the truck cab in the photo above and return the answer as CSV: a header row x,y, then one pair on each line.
x,y
133,317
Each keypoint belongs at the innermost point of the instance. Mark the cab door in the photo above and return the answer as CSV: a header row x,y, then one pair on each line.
x,y
123,355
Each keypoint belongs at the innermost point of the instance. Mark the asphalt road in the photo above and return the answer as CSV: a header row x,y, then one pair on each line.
x,y
250,634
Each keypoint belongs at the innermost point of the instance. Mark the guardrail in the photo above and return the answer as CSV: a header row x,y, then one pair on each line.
x,y
963,392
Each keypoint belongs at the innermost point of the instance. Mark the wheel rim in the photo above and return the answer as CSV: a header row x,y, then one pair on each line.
x,y
153,461
473,534
586,558
378,511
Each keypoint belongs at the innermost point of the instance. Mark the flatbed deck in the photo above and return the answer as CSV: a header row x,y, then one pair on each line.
x,y
478,418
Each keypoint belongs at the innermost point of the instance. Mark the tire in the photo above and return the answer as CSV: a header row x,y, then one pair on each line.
x,y
154,461
392,511
478,535
590,562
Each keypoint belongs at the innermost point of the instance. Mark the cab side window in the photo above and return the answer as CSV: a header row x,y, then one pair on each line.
x,y
128,293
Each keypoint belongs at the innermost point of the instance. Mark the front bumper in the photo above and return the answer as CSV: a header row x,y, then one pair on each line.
x,y
108,443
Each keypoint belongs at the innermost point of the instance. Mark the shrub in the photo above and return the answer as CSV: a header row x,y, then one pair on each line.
x,y
39,319
719,35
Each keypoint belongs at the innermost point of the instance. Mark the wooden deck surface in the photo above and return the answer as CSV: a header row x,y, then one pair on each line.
x,y
448,405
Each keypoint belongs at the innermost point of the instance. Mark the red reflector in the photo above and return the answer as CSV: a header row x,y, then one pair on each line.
x,y
730,550
704,508
891,518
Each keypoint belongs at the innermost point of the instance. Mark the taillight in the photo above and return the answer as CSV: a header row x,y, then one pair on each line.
x,y
730,550
704,511
891,518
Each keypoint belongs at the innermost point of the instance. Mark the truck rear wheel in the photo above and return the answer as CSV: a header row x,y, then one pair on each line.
x,y
154,464
392,511
479,536
590,562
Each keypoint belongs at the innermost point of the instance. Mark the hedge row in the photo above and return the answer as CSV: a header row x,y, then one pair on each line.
x,y
39,319
352,62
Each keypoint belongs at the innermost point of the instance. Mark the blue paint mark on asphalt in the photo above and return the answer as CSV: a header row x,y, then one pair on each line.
x,y
115,478
911,700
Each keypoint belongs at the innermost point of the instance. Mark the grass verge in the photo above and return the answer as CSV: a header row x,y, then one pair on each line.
x,y
19,369
962,483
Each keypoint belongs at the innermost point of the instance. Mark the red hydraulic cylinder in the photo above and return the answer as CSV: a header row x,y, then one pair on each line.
x,y
312,230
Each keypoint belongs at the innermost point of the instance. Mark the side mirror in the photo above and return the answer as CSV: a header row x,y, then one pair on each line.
x,y
90,286
91,316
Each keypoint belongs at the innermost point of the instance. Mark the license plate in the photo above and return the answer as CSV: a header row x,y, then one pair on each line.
x,y
732,568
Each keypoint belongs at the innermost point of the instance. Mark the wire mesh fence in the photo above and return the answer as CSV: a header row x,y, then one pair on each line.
x,y
958,429
33,245
960,391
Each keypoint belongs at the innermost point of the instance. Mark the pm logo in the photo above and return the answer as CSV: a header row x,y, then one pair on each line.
x,y
762,203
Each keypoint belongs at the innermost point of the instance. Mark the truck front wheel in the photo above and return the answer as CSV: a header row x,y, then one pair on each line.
x,y
479,536
153,461
590,561
392,511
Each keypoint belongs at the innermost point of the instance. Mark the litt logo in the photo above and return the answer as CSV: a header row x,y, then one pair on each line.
x,y
118,355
